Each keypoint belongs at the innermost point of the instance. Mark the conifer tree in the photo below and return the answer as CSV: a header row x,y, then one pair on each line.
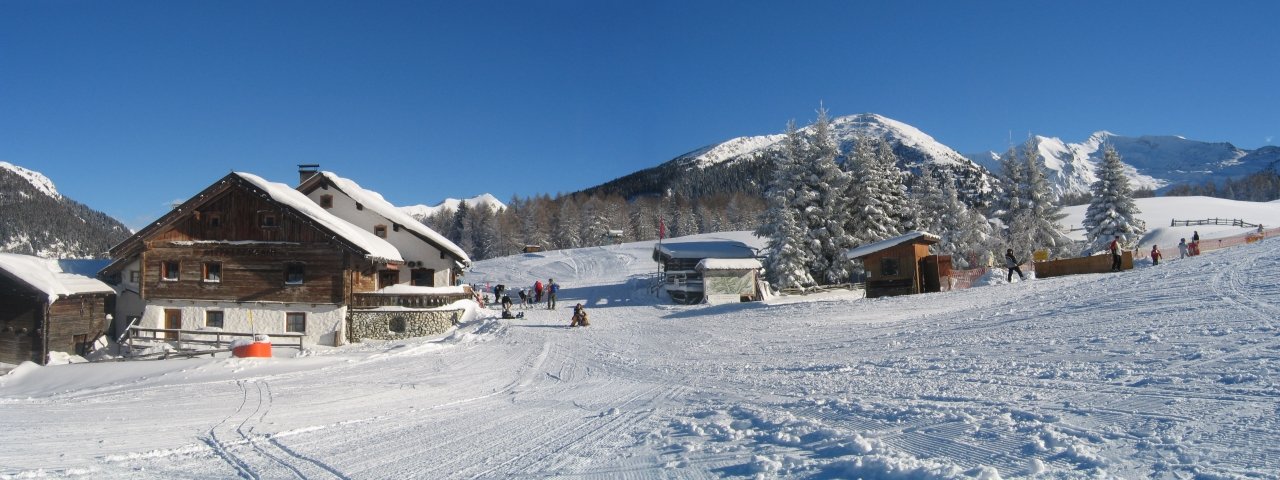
x,y
786,260
871,194
1112,211
825,212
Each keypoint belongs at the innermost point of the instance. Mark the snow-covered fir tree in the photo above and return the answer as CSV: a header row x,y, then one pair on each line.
x,y
873,192
1112,211
965,233
894,189
825,209
786,262
1010,200
1034,215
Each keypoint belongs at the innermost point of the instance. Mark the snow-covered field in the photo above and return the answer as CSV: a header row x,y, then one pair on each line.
x,y
1159,372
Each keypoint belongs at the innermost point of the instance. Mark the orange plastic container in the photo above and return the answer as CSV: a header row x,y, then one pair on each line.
x,y
256,349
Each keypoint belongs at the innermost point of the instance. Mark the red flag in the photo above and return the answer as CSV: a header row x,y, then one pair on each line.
x,y
662,229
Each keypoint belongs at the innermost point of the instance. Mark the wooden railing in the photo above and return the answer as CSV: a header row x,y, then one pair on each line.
x,y
207,340
374,300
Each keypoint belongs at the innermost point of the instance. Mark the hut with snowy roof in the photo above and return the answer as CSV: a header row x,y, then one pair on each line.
x,y
681,278
45,309
730,280
902,265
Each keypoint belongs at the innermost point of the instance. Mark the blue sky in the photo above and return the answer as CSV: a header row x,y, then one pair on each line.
x,y
129,105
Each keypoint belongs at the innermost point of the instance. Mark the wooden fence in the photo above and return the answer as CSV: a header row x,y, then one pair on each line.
x,y
1230,222
201,342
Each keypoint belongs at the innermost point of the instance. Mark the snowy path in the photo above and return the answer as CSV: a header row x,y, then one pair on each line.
x,y
1164,372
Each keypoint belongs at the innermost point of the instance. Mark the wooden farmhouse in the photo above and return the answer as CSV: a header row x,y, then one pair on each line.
x,y
252,256
902,265
44,309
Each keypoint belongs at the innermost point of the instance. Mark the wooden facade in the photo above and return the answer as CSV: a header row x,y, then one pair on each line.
x,y
31,327
903,266
232,247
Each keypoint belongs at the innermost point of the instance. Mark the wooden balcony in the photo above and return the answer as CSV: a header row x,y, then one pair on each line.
x,y
403,296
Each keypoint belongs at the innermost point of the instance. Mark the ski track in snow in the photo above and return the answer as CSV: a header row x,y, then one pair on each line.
x,y
1159,372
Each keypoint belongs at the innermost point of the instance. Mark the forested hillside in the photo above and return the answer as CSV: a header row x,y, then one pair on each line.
x,y
36,220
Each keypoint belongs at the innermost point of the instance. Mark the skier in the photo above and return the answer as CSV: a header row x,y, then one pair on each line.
x,y
552,289
1155,255
1182,248
524,298
1195,243
537,291
1115,254
1013,263
579,317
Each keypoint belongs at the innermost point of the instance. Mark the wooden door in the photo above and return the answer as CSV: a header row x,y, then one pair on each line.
x,y
172,321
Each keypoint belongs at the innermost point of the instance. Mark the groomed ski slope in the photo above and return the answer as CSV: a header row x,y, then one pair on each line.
x,y
1158,372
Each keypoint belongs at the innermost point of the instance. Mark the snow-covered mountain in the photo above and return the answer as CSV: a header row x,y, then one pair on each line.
x,y
36,220
741,164
1151,161
421,212
41,183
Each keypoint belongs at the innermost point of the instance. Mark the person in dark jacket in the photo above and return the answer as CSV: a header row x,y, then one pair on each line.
x,y
1115,254
1013,264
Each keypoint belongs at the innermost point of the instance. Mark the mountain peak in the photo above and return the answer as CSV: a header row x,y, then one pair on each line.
x,y
37,179
422,212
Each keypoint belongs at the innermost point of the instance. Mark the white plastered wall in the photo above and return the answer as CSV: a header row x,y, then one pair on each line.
x,y
326,323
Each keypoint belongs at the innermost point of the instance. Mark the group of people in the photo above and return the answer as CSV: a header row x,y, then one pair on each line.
x,y
550,290
1116,250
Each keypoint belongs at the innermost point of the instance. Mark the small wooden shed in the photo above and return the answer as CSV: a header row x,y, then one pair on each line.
x,y
44,309
902,265
730,280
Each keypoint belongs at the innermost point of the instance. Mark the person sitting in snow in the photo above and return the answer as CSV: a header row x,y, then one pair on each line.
x,y
1013,263
579,317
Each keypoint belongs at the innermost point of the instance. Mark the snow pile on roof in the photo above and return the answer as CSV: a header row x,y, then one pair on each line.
x,y
37,179
869,249
374,201
703,249
728,264
376,247
46,276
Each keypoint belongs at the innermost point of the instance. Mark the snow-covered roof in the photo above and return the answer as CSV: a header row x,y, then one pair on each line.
x,y
859,252
703,249
728,264
367,241
373,201
46,276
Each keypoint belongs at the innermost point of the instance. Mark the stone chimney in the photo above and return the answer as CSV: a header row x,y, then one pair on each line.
x,y
307,171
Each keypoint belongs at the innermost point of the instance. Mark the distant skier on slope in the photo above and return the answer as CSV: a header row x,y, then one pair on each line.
x,y
1012,263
